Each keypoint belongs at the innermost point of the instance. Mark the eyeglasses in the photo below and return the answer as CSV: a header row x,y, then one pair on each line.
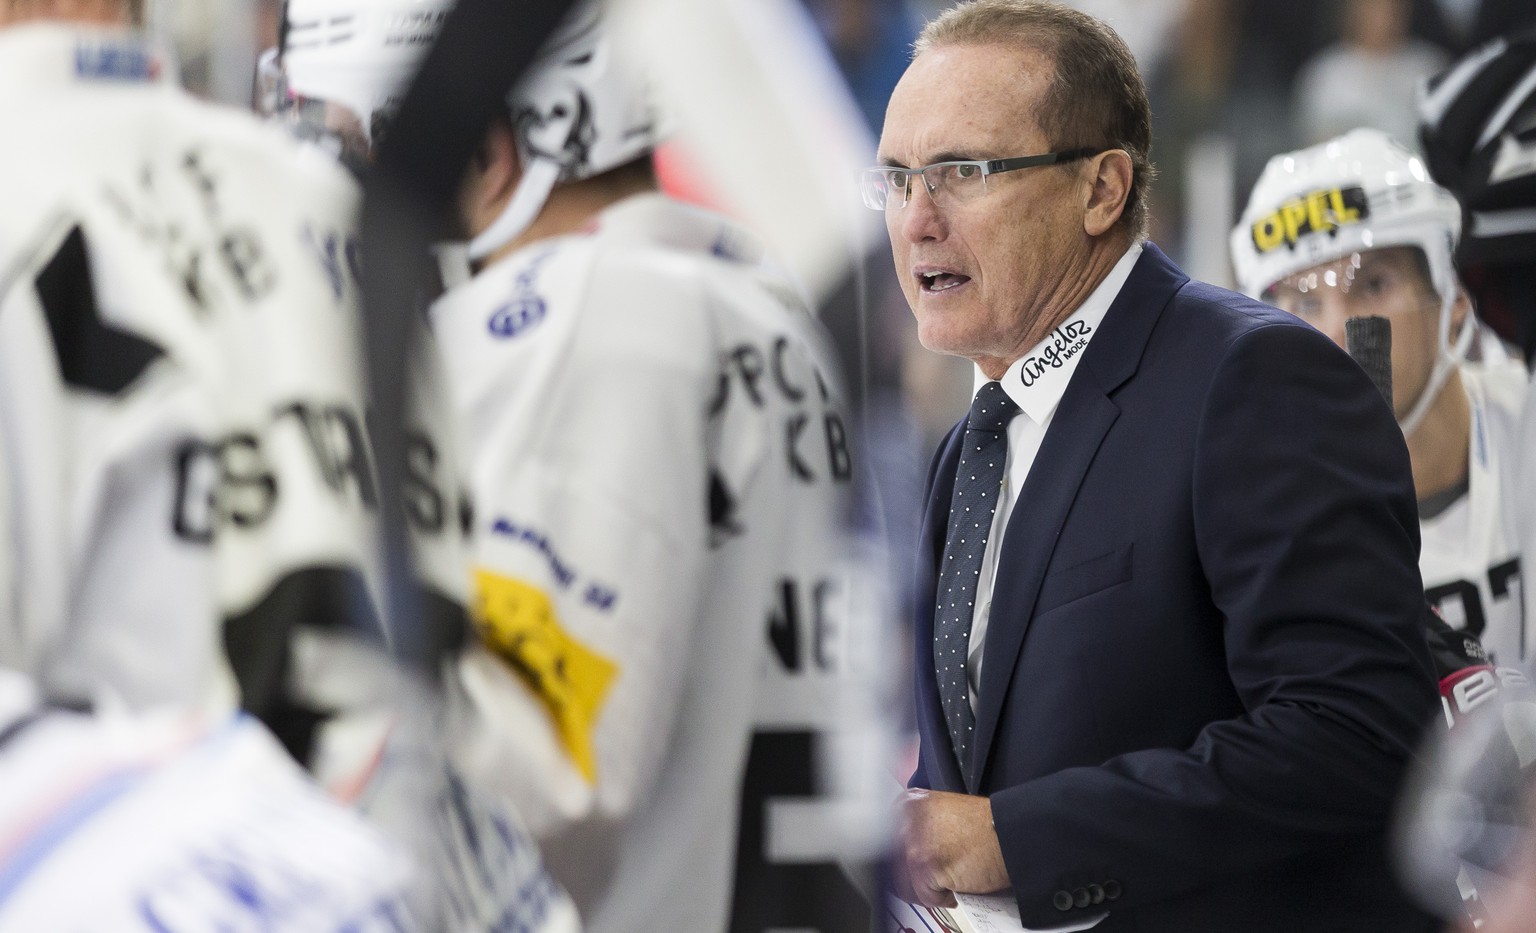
x,y
886,186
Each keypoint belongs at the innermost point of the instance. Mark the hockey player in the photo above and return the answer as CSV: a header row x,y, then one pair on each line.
x,y
1476,126
186,485
180,821
1354,227
658,460
1477,812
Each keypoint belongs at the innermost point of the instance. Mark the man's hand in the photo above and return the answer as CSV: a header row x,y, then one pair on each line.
x,y
945,843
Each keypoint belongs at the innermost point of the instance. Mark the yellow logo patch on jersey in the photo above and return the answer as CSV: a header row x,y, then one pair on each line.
x,y
518,622
1314,212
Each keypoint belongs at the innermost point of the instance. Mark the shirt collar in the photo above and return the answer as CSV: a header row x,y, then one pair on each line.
x,y
1038,379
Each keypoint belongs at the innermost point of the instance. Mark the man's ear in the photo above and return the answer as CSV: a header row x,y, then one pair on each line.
x,y
493,175
1109,177
1459,310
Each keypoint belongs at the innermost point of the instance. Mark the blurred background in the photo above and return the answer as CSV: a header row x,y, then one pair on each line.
x,y
1232,83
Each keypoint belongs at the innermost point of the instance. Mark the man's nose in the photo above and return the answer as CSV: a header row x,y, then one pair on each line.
x,y
921,218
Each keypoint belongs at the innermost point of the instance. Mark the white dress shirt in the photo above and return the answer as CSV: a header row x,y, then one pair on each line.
x,y
1036,381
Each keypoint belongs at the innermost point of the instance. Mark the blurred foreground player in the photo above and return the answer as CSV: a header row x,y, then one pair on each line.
x,y
658,465
1474,814
1478,127
1354,227
180,821
188,486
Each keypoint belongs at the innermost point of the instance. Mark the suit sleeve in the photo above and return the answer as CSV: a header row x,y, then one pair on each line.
x,y
1306,530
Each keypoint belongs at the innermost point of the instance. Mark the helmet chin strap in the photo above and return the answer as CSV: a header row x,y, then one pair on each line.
x,y
527,200
1447,359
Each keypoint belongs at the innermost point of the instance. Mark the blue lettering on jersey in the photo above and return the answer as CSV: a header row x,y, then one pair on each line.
x,y
526,308
114,61
600,596
516,316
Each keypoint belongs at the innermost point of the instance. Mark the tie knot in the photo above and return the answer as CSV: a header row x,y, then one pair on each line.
x,y
992,409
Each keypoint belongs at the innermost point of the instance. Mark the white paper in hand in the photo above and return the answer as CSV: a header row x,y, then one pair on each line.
x,y
976,913
999,913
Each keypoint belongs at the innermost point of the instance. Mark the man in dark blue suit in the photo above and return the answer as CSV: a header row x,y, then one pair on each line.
x,y
1169,662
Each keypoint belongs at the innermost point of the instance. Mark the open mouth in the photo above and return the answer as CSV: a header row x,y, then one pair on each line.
x,y
941,281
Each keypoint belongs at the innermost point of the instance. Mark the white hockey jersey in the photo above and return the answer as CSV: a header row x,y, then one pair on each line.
x,y
185,472
179,394
659,464
1470,555
164,821
1525,496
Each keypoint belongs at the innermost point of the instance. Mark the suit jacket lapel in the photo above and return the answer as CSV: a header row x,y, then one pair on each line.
x,y
1077,429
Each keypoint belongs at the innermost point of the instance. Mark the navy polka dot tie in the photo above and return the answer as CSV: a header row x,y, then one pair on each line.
x,y
978,481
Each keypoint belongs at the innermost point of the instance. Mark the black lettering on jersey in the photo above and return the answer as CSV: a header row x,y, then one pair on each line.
x,y
206,183
197,483
749,363
794,428
723,520
791,391
784,626
1471,603
1500,576
800,621
221,483
247,262
839,460
190,272
1502,581
339,446
247,488
787,896
821,386
466,514
92,354
823,631
425,507
722,393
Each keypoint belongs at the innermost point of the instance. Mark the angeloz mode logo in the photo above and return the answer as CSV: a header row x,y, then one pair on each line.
x,y
1064,343
516,316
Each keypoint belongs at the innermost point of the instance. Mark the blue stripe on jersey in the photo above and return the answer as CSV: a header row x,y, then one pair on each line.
x,y
33,851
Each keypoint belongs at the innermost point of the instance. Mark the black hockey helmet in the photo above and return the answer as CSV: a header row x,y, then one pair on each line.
x,y
1477,123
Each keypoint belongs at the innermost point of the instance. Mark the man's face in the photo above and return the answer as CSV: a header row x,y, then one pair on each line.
x,y
1002,260
1390,283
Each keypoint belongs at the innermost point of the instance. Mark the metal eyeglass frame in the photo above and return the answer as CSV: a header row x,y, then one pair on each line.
x,y
987,167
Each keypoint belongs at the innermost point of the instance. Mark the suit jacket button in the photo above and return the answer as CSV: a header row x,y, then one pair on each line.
x,y
1062,900
1111,890
1080,897
1096,891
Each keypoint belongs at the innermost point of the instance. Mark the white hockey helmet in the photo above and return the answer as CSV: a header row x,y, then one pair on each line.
x,y
582,110
355,57
1358,192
